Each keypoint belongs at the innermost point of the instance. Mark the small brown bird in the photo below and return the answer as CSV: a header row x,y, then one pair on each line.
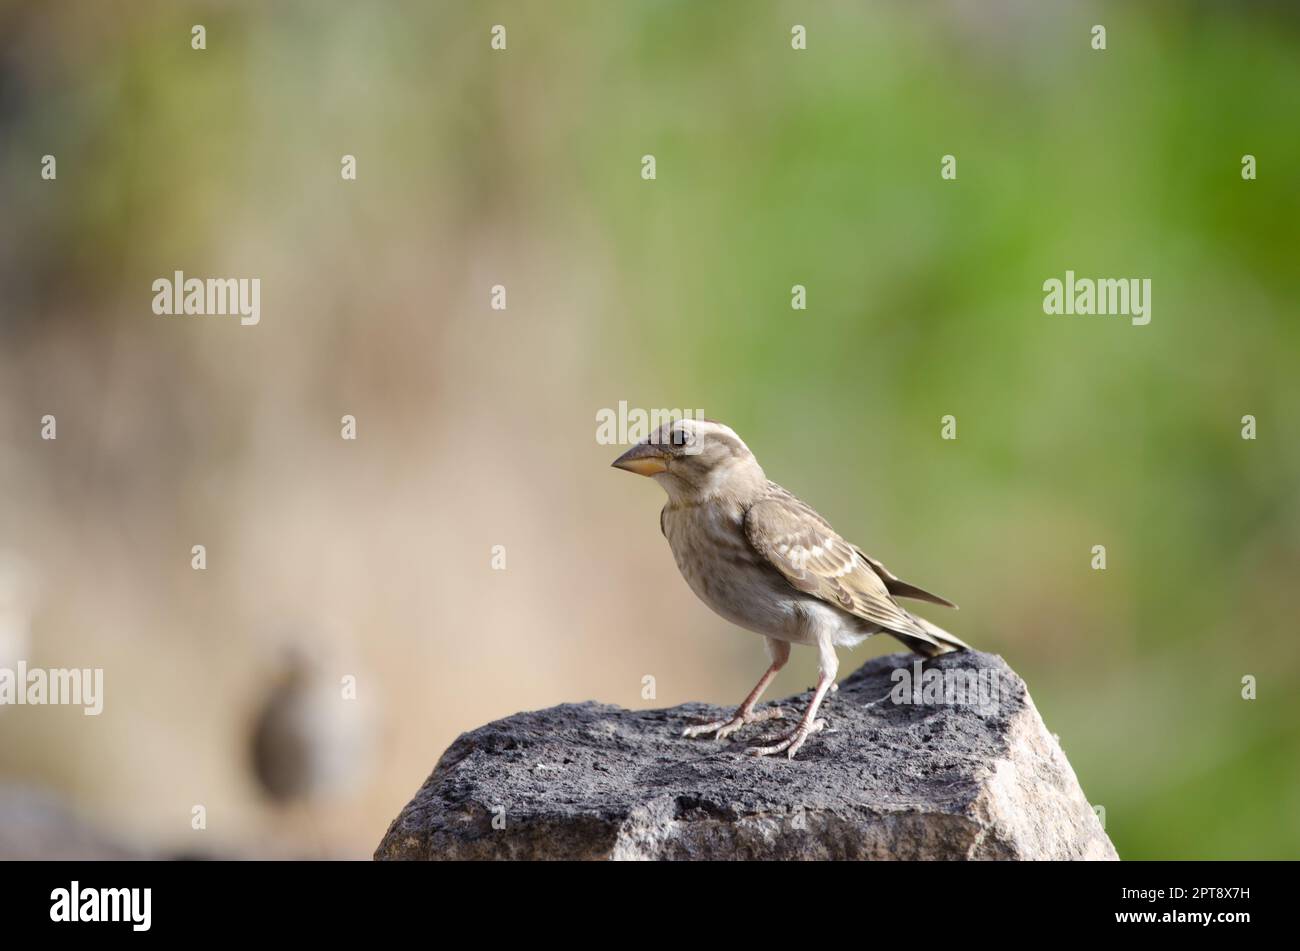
x,y
764,560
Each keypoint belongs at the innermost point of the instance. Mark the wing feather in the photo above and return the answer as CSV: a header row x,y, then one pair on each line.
x,y
802,546
902,589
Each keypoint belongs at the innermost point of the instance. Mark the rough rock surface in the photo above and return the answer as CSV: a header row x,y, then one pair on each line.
x,y
977,779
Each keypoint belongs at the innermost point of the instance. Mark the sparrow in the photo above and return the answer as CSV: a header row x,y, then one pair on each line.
x,y
767,562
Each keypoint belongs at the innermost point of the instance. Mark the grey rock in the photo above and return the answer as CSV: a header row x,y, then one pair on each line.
x,y
977,779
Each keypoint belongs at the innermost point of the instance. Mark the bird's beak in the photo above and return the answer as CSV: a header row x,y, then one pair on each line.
x,y
644,458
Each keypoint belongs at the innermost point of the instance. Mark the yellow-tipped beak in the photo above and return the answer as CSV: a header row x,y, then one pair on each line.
x,y
643,459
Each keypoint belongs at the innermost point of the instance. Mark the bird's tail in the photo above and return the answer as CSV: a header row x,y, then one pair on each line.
x,y
930,640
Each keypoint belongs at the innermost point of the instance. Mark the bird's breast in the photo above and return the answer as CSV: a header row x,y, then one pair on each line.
x,y
714,556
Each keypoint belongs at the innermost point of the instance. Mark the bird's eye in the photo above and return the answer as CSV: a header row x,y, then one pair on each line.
x,y
681,437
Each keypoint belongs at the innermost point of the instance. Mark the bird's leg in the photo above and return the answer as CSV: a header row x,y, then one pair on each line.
x,y
780,653
790,743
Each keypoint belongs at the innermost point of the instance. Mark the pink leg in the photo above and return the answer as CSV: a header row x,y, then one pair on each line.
x,y
795,739
780,651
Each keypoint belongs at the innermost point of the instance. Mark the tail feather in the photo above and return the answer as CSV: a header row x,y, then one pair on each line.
x,y
930,640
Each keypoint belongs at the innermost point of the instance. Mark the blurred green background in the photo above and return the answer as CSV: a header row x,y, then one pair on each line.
x,y
477,427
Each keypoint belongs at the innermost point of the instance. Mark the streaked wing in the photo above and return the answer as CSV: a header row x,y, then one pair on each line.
x,y
801,545
900,588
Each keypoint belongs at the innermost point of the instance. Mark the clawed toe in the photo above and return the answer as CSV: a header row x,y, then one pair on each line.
x,y
701,728
735,724
791,743
724,728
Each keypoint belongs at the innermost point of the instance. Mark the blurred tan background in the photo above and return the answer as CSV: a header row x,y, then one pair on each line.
x,y
477,427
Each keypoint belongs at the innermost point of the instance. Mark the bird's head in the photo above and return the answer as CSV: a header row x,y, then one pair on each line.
x,y
695,458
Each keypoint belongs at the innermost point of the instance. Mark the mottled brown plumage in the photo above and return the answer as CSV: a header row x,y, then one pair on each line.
x,y
768,562
801,545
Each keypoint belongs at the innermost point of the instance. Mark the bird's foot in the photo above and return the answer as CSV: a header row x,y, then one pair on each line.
x,y
791,742
724,728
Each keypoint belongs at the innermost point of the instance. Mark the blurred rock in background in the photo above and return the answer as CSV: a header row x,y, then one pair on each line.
x,y
16,597
38,824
